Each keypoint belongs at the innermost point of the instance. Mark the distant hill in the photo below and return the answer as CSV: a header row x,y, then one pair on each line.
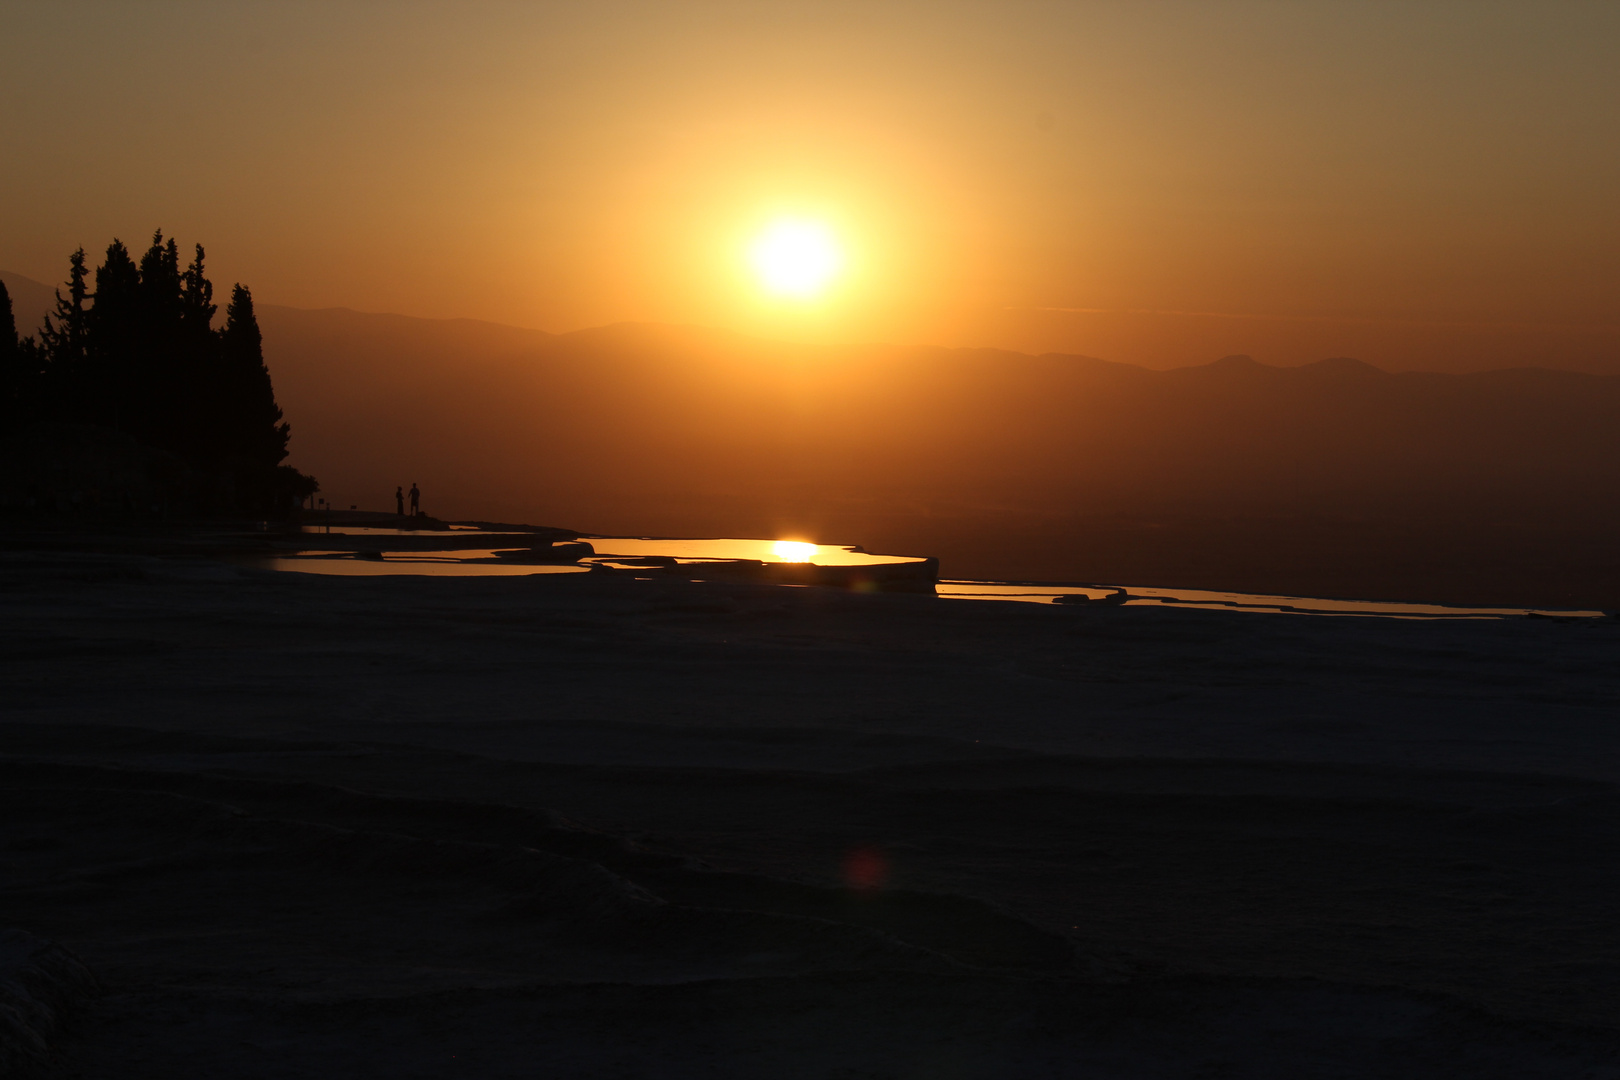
x,y
1335,478
30,301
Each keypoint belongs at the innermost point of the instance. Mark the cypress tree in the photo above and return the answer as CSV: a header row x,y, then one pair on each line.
x,y
203,398
22,365
10,363
160,282
197,300
257,434
63,338
168,419
8,322
115,359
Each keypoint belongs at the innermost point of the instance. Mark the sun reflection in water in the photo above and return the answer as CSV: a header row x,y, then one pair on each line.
x,y
794,551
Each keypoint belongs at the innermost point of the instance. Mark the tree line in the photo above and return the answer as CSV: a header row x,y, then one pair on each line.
x,y
136,351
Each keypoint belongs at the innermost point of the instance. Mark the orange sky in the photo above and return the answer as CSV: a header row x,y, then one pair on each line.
x,y
1417,185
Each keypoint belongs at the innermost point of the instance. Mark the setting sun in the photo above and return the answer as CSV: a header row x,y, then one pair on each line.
x,y
796,258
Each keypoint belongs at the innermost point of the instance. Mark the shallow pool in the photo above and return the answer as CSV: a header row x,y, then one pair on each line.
x,y
633,554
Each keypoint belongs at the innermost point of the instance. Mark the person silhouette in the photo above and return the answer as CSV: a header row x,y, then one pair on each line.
x,y
416,500
399,501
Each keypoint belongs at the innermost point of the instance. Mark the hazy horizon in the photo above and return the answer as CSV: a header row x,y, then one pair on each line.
x,y
27,323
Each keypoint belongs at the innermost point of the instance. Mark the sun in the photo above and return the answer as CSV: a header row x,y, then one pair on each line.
x,y
796,259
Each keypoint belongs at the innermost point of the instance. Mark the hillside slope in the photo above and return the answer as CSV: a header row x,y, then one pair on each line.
x,y
30,301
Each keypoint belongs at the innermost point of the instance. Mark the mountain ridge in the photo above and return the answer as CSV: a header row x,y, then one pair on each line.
x,y
1333,478
33,299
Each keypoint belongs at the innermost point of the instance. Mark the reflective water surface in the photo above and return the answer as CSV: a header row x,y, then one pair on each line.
x,y
624,552
648,555
410,564
762,550
377,530
1147,595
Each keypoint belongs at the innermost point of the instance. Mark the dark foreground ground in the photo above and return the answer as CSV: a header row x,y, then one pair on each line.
x,y
569,827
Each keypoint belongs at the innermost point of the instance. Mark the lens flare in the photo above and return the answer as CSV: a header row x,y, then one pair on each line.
x,y
866,868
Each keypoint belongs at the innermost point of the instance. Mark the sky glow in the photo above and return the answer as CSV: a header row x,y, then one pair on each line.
x,y
1419,186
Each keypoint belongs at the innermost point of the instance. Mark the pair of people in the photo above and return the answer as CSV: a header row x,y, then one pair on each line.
x,y
416,501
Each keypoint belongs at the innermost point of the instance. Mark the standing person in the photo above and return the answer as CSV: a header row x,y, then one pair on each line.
x,y
399,501
416,500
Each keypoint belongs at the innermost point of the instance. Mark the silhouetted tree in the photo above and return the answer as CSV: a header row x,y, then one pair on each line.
x,y
160,280
141,355
10,362
168,368
255,429
8,321
21,370
114,354
63,337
